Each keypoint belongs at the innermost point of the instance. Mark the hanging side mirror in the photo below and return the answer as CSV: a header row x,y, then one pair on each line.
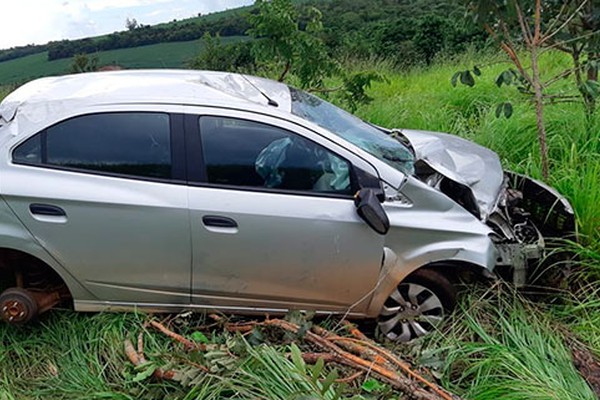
x,y
371,211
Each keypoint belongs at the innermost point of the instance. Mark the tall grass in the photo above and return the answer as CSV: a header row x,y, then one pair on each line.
x,y
501,347
70,356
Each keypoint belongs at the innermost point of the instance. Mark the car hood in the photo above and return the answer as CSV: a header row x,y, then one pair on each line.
x,y
467,163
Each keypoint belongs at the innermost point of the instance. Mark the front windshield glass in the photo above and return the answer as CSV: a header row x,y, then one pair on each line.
x,y
353,129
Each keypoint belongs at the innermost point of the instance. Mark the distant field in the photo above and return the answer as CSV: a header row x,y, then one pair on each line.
x,y
162,55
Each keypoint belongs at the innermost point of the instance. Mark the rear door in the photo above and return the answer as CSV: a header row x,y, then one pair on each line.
x,y
273,219
105,194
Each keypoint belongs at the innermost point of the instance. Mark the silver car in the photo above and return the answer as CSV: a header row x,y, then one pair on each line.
x,y
186,190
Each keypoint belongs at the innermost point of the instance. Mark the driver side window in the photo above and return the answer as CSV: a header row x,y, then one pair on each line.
x,y
251,154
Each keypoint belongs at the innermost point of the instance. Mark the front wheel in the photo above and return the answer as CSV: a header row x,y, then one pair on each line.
x,y
417,306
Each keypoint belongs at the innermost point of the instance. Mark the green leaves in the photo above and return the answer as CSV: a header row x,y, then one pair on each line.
x,y
373,386
591,88
291,49
144,371
199,337
505,109
354,88
466,77
507,77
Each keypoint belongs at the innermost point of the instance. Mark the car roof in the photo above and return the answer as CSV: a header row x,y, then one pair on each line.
x,y
206,88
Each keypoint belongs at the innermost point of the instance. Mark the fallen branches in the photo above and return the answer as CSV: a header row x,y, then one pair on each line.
x,y
137,358
357,353
187,344
360,354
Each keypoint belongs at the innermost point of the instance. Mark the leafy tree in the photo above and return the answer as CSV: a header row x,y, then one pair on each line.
x,y
234,57
523,32
83,63
301,51
131,24
580,38
280,39
430,36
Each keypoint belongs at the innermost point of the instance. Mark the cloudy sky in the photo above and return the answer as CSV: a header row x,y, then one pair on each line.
x,y
39,21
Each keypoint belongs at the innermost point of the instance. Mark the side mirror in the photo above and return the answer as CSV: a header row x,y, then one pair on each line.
x,y
371,211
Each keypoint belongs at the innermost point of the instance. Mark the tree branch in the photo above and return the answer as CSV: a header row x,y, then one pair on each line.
x,y
524,28
510,51
560,28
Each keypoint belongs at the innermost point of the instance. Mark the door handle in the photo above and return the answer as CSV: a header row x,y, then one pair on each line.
x,y
217,221
47,210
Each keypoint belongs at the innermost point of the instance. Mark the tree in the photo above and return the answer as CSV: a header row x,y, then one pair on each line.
x,y
216,56
525,32
131,24
302,51
281,40
580,39
83,63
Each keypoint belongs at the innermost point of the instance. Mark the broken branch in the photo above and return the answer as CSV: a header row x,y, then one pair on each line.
x,y
138,360
187,344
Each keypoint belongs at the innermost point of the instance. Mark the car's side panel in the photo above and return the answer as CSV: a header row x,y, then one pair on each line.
x,y
288,251
124,240
14,236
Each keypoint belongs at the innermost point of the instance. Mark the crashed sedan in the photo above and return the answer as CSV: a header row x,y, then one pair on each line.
x,y
185,190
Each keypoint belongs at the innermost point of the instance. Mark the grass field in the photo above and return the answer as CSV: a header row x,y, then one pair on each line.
x,y
499,344
162,55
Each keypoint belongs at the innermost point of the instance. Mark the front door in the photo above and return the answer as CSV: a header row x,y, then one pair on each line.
x,y
273,222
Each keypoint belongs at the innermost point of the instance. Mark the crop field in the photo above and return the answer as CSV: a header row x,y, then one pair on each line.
x,y
162,55
499,343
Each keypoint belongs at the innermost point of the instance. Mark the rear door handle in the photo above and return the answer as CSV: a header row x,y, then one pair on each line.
x,y
48,213
47,210
217,221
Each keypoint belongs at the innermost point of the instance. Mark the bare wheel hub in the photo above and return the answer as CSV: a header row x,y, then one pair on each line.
x,y
14,311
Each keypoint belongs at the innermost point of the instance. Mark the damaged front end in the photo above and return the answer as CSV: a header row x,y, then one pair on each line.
x,y
529,217
525,215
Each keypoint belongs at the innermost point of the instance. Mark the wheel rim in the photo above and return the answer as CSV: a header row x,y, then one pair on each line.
x,y
411,311
14,311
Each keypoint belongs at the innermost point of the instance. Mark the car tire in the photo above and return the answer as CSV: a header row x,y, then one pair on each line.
x,y
18,306
417,306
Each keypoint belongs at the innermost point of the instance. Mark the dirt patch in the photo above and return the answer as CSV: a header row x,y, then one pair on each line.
x,y
587,364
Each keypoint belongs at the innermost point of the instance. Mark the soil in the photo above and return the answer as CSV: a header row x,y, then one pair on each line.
x,y
587,364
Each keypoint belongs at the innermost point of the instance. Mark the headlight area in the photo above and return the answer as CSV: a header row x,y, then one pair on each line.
x,y
528,222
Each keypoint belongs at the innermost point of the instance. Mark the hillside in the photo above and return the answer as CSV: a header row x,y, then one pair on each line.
x,y
162,55
405,32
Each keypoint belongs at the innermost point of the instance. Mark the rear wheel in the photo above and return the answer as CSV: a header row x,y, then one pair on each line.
x,y
18,306
417,306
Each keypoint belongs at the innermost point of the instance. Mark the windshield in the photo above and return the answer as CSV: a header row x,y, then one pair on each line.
x,y
353,129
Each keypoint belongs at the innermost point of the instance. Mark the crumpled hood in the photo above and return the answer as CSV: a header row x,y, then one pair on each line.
x,y
462,161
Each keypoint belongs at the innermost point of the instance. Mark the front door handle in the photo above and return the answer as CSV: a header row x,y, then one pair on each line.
x,y
47,210
217,221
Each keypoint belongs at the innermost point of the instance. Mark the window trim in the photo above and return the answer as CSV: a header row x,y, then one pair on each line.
x,y
177,145
198,177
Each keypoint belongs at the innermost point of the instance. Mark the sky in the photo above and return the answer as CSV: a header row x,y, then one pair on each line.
x,y
40,21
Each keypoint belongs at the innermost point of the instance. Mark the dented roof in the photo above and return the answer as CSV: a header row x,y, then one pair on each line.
x,y
55,94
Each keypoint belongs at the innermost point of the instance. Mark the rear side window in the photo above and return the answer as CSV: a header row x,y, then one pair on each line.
x,y
252,154
136,144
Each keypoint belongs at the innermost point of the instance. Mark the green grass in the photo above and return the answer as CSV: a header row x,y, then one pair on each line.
x,y
501,347
162,55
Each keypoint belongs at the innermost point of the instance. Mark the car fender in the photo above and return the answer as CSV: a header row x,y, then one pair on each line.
x,y
14,236
396,268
